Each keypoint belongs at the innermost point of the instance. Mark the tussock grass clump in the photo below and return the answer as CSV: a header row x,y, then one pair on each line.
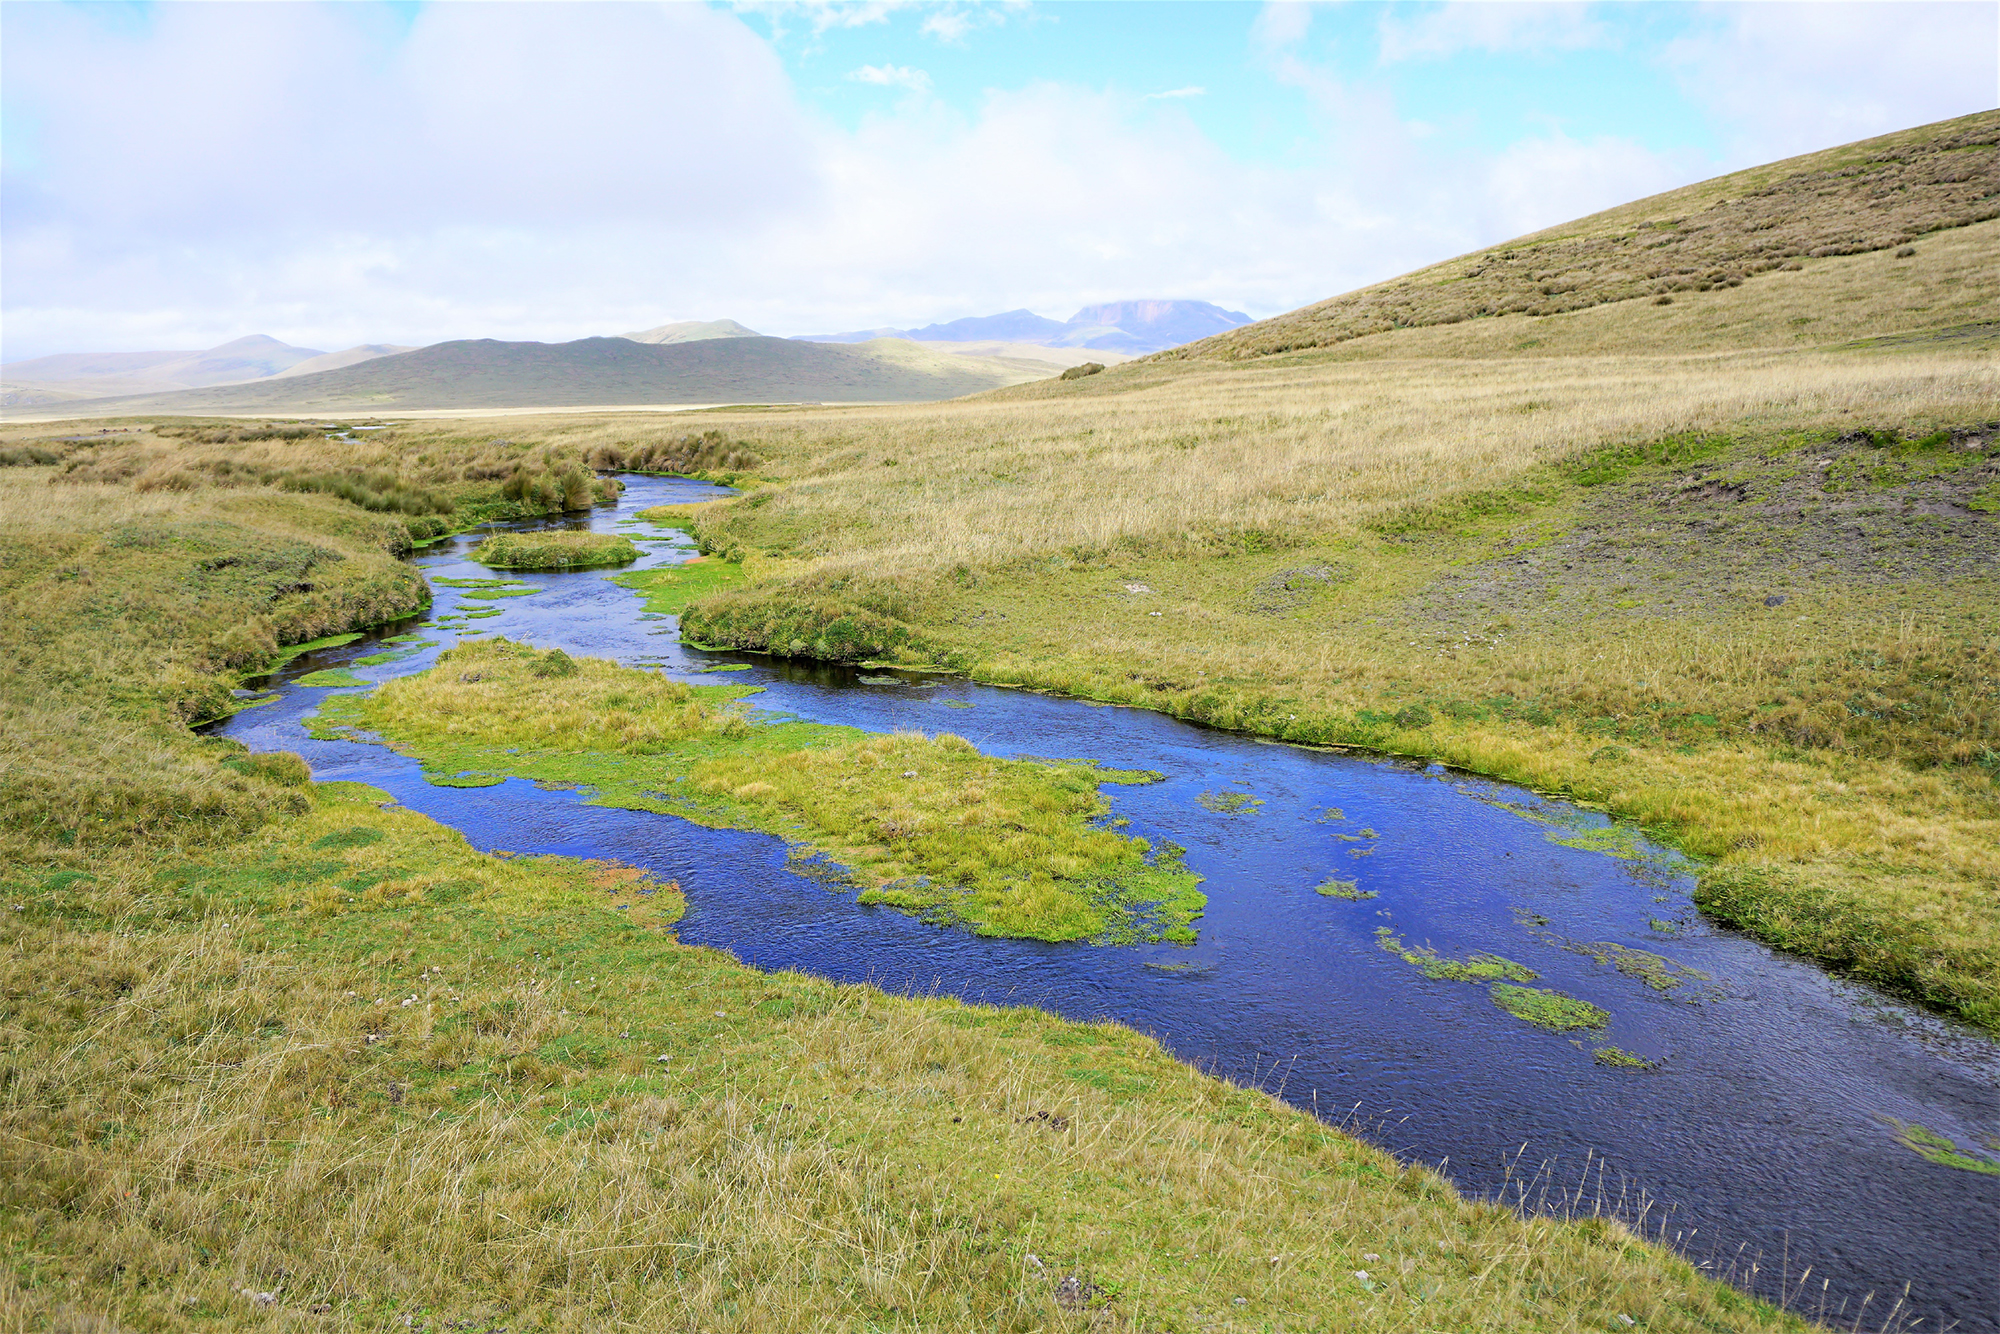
x,y
709,453
358,1066
554,550
927,824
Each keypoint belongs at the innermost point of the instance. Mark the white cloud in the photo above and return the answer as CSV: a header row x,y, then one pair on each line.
x,y
893,76
529,171
1781,79
1538,183
948,25
1487,25
1177,92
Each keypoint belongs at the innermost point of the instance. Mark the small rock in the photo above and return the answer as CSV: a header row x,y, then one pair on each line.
x,y
663,1059
1775,600
1241,1301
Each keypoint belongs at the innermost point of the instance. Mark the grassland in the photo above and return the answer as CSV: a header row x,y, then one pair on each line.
x,y
1723,566
347,1072
925,823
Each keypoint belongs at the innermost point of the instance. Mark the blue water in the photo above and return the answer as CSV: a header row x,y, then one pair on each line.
x,y
1756,1146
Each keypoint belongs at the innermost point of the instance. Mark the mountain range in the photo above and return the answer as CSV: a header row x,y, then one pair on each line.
x,y
735,364
1131,327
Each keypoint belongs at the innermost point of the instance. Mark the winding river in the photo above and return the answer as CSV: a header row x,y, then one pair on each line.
x,y
1760,1142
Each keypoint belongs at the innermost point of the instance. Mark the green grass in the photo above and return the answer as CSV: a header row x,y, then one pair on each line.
x,y
927,825
668,589
258,1107
554,549
332,676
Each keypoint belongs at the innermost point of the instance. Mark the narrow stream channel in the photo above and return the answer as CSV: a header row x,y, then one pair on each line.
x,y
1757,1143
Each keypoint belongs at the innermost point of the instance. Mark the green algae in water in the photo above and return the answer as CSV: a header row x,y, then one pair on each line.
x,y
1935,1148
1230,803
1547,1009
669,588
337,676
958,704
1343,889
285,655
444,582
489,594
1479,967
405,639
377,659
724,667
1620,1059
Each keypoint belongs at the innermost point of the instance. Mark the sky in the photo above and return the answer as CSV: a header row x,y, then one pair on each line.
x,y
176,175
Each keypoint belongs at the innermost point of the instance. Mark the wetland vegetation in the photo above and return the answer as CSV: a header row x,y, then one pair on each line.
x,y
555,550
925,823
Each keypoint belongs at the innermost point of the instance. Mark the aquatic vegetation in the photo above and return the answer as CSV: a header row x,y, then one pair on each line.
x,y
494,594
959,704
1479,967
291,651
1548,1009
1230,803
1621,1059
336,676
927,825
1336,888
667,589
1935,1148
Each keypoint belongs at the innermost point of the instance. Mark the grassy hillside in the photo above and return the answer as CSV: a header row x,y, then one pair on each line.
x,y
1879,194
591,372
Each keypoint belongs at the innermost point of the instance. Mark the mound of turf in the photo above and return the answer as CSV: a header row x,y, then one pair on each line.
x,y
554,550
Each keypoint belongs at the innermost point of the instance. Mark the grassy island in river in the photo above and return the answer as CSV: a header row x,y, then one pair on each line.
x,y
926,824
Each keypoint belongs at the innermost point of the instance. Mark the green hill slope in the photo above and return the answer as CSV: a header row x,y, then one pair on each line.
x,y
484,373
1879,194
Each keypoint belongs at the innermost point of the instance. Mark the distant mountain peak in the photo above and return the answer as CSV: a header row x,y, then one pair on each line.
x,y
1116,326
692,331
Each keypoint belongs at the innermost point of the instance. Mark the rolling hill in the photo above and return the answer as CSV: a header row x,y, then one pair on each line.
x,y
607,372
1878,194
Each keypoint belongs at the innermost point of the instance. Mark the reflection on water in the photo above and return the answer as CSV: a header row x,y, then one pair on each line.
x,y
1756,1131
